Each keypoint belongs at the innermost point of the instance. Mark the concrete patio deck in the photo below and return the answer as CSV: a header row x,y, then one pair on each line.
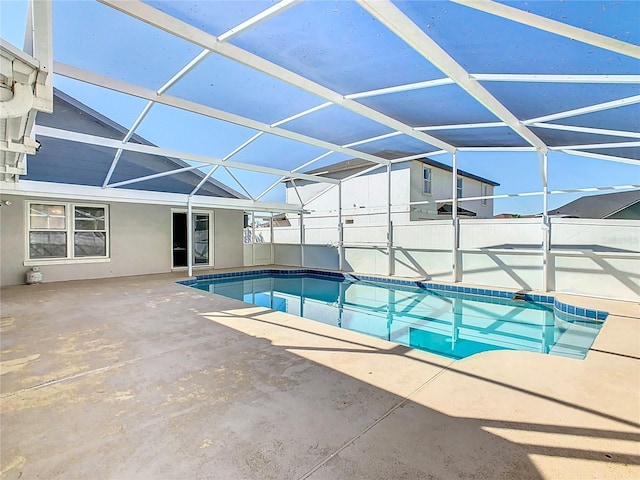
x,y
143,378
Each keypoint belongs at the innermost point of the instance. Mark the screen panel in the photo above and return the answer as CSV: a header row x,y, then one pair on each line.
x,y
227,85
277,152
485,43
212,17
532,100
100,39
611,18
557,138
443,105
339,45
337,125
396,147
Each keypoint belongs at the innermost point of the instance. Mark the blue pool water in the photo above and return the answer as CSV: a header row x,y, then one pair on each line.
x,y
451,324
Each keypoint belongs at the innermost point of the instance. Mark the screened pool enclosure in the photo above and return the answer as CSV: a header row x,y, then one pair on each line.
x,y
258,93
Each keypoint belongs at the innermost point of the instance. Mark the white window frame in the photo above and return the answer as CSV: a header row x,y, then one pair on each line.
x,y
69,229
425,181
485,193
459,183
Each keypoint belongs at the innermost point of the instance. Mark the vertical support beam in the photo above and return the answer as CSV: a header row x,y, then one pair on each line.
x,y
38,43
340,231
271,285
189,237
272,256
341,302
302,239
456,321
389,225
302,297
391,310
546,227
455,221
253,237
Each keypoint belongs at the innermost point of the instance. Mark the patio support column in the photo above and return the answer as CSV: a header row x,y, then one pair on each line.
x,y
253,237
546,227
189,237
389,224
302,239
272,255
455,221
340,231
38,43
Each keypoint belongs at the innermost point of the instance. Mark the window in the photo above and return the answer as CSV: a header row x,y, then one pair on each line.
x,y
426,178
485,192
67,231
459,187
248,228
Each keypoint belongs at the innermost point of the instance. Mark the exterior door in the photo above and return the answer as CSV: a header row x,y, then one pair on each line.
x,y
201,239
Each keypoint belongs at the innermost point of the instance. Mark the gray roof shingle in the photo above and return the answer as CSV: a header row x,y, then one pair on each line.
x,y
598,206
62,161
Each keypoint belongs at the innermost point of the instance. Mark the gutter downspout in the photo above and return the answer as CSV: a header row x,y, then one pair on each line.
x,y
20,103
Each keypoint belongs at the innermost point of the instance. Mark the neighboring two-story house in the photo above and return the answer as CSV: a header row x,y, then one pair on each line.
x,y
416,186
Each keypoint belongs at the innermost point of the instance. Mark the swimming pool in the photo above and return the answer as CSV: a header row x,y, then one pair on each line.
x,y
447,320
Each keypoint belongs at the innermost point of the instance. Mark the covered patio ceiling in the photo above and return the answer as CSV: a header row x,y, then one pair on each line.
x,y
303,84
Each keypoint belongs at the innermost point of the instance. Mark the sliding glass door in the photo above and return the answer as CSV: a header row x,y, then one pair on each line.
x,y
201,239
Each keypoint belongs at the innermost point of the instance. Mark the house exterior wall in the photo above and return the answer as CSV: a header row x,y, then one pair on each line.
x,y
227,238
139,239
441,188
428,211
364,198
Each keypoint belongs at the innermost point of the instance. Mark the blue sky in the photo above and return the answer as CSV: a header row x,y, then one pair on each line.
x,y
148,57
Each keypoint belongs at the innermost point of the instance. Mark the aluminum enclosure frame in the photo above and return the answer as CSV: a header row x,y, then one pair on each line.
x,y
403,27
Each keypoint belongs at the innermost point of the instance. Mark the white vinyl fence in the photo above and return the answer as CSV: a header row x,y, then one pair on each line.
x,y
590,257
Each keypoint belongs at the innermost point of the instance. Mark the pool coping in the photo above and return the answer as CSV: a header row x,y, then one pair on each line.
x,y
565,311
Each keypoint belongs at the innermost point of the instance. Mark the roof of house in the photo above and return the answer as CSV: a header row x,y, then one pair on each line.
x,y
447,208
598,206
61,161
355,165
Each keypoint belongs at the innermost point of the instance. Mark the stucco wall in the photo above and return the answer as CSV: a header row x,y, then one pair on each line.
x,y
364,198
227,240
441,185
139,237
